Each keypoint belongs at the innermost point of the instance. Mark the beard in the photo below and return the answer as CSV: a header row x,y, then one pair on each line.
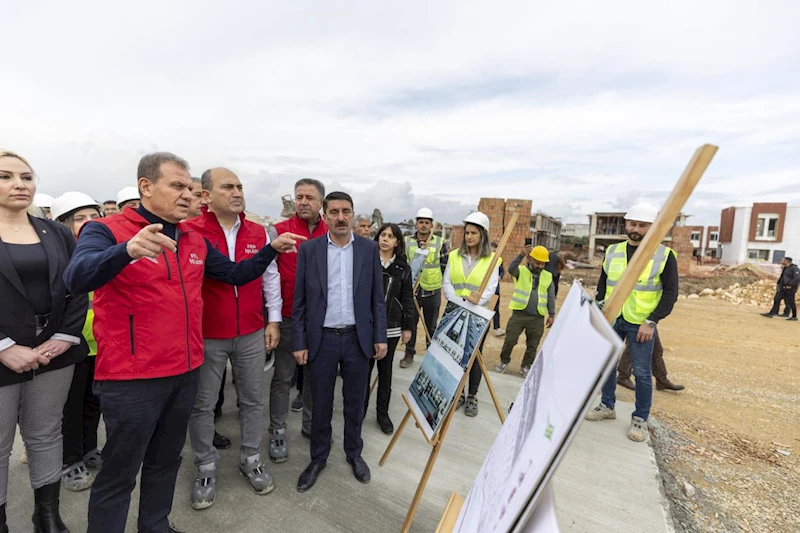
x,y
635,236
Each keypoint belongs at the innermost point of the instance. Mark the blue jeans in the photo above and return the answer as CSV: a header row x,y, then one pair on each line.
x,y
642,361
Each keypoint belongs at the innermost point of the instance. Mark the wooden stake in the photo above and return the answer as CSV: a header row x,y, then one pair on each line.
x,y
475,297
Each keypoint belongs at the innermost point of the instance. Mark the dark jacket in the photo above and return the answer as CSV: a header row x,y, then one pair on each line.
x,y
311,296
67,312
790,276
398,294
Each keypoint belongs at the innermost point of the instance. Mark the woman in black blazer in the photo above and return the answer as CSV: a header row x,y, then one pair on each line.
x,y
40,339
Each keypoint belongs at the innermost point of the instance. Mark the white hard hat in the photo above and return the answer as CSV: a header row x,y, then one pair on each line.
x,y
425,213
479,219
642,212
42,200
72,201
127,194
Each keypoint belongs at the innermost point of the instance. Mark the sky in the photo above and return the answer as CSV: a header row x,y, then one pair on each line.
x,y
579,106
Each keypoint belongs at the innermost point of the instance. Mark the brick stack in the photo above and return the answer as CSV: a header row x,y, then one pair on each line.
x,y
682,244
495,209
521,231
456,236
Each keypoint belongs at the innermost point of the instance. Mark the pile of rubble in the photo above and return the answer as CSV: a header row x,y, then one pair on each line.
x,y
758,294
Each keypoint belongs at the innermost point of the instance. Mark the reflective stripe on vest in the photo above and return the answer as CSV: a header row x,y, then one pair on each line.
x,y
646,294
523,285
465,285
430,278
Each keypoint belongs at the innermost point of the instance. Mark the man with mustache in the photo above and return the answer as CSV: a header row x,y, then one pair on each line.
x,y
534,297
652,300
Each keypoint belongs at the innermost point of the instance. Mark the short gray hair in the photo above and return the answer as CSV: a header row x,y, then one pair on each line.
x,y
361,217
150,165
205,180
314,183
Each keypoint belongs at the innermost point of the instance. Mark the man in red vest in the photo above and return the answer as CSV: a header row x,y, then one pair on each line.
x,y
308,195
233,328
147,272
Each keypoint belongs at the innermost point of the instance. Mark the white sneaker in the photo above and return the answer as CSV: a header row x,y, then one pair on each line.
x,y
601,412
499,332
638,430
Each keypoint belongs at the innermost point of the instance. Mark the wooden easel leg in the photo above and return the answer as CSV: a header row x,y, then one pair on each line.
x,y
396,436
489,384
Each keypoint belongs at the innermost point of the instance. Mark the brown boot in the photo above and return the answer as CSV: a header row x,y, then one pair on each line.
x,y
668,385
626,382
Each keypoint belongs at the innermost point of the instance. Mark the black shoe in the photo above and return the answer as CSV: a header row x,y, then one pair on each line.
x,y
768,315
309,476
385,423
172,529
3,526
793,318
360,469
461,402
297,403
46,518
221,442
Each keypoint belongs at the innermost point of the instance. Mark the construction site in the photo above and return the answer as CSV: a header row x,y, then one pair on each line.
x,y
727,446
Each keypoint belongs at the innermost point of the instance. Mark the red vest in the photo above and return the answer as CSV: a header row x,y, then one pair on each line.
x,y
287,263
148,319
229,311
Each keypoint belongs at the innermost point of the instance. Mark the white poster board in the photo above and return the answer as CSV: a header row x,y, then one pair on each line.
x,y
417,262
453,344
575,360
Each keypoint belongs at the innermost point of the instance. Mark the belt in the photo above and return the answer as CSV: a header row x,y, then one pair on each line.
x,y
422,292
42,320
340,331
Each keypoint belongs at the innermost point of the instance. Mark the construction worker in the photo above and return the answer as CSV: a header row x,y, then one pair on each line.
x,y
429,295
534,298
466,268
44,202
652,300
128,196
110,208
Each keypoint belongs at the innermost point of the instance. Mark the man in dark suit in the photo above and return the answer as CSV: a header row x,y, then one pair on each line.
x,y
338,318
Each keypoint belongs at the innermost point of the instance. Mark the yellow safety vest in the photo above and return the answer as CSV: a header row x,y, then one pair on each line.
x,y
523,285
465,285
431,277
647,292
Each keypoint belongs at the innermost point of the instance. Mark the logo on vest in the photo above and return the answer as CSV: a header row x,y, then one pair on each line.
x,y
250,249
195,259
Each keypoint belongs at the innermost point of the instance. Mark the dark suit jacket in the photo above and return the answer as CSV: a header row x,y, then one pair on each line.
x,y
311,295
68,311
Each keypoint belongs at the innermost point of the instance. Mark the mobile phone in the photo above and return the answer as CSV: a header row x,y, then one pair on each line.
x,y
528,241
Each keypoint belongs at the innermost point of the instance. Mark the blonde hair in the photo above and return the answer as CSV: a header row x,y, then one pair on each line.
x,y
33,210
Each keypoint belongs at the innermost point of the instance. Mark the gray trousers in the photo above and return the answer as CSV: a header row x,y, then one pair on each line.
x,y
246,354
39,406
279,391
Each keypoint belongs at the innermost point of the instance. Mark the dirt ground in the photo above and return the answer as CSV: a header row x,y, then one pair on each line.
x,y
729,445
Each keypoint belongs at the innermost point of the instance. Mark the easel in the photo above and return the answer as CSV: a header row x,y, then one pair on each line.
x,y
438,437
612,307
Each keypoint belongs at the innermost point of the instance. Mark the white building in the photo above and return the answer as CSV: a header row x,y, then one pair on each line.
x,y
761,233
575,230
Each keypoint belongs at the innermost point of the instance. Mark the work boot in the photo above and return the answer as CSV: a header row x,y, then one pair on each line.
x,y
406,361
524,369
626,382
253,470
768,315
3,526
792,319
638,430
46,518
668,385
77,477
601,412
204,491
278,453
93,460
471,408
501,367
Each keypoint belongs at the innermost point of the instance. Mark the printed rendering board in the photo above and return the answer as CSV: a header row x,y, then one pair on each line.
x,y
576,358
417,262
454,342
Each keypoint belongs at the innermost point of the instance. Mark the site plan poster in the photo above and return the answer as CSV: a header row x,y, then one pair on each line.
x,y
457,337
577,356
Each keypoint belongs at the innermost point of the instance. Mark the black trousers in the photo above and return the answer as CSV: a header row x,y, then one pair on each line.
x,y
81,414
146,422
384,378
475,373
430,310
556,279
787,296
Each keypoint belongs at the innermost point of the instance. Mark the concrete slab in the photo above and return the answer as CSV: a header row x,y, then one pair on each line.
x,y
606,483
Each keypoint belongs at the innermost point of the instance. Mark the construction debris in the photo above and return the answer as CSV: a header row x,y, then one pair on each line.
x,y
757,294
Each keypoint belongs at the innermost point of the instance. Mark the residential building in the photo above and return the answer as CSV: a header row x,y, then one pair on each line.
x,y
609,228
546,231
761,233
576,231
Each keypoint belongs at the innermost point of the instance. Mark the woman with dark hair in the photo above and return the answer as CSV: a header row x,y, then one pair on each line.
x,y
40,339
466,268
398,294
82,410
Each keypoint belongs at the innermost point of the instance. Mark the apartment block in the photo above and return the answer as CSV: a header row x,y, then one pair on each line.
x,y
761,233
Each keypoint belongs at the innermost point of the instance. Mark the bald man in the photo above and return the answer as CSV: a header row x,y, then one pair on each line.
x,y
233,328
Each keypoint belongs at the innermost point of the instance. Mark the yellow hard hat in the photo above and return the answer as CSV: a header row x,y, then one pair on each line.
x,y
540,253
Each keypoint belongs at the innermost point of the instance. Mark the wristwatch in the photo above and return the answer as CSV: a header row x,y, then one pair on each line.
x,y
651,323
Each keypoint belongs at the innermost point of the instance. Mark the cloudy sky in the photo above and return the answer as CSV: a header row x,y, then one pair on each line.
x,y
579,106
